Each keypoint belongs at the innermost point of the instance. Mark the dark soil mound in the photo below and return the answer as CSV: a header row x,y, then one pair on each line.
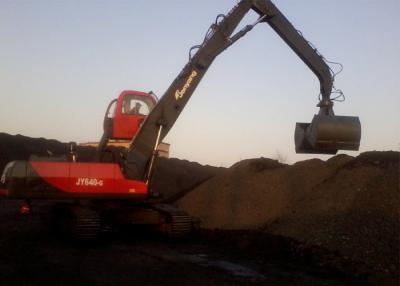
x,y
18,147
349,206
174,178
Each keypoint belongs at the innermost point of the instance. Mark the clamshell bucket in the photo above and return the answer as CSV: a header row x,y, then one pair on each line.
x,y
327,134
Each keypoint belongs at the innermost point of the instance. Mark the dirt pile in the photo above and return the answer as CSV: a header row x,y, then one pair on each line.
x,y
173,178
255,192
347,205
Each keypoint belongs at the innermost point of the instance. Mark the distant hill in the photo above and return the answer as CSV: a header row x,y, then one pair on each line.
x,y
19,147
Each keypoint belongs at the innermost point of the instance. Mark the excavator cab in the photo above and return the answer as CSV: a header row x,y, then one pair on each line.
x,y
124,117
131,108
125,114
326,134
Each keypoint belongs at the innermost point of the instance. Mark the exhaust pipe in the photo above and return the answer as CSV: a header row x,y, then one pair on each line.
x,y
326,134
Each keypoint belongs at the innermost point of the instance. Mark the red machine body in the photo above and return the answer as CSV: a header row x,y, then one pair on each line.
x,y
49,178
89,179
69,180
3,192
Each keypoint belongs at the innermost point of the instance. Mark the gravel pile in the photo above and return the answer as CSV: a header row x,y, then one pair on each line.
x,y
349,206
173,178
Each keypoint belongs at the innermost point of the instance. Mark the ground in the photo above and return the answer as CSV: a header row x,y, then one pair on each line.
x,y
30,255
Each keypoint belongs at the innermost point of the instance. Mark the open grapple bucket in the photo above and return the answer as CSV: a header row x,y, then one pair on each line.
x,y
327,134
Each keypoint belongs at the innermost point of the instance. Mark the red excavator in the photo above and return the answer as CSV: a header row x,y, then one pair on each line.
x,y
89,198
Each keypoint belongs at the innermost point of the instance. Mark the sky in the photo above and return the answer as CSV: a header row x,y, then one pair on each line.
x,y
62,62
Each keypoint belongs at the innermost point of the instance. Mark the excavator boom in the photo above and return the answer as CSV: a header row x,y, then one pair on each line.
x,y
219,37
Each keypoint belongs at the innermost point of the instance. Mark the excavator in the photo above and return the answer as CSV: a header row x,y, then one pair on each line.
x,y
92,197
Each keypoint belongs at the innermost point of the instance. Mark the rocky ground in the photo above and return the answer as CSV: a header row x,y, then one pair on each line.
x,y
333,222
346,209
30,255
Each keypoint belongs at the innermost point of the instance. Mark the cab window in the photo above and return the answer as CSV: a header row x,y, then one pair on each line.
x,y
136,105
111,109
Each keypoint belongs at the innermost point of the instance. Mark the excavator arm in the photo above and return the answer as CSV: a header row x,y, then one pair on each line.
x,y
301,47
142,150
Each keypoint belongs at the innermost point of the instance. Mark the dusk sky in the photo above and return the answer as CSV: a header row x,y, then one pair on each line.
x,y
62,62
